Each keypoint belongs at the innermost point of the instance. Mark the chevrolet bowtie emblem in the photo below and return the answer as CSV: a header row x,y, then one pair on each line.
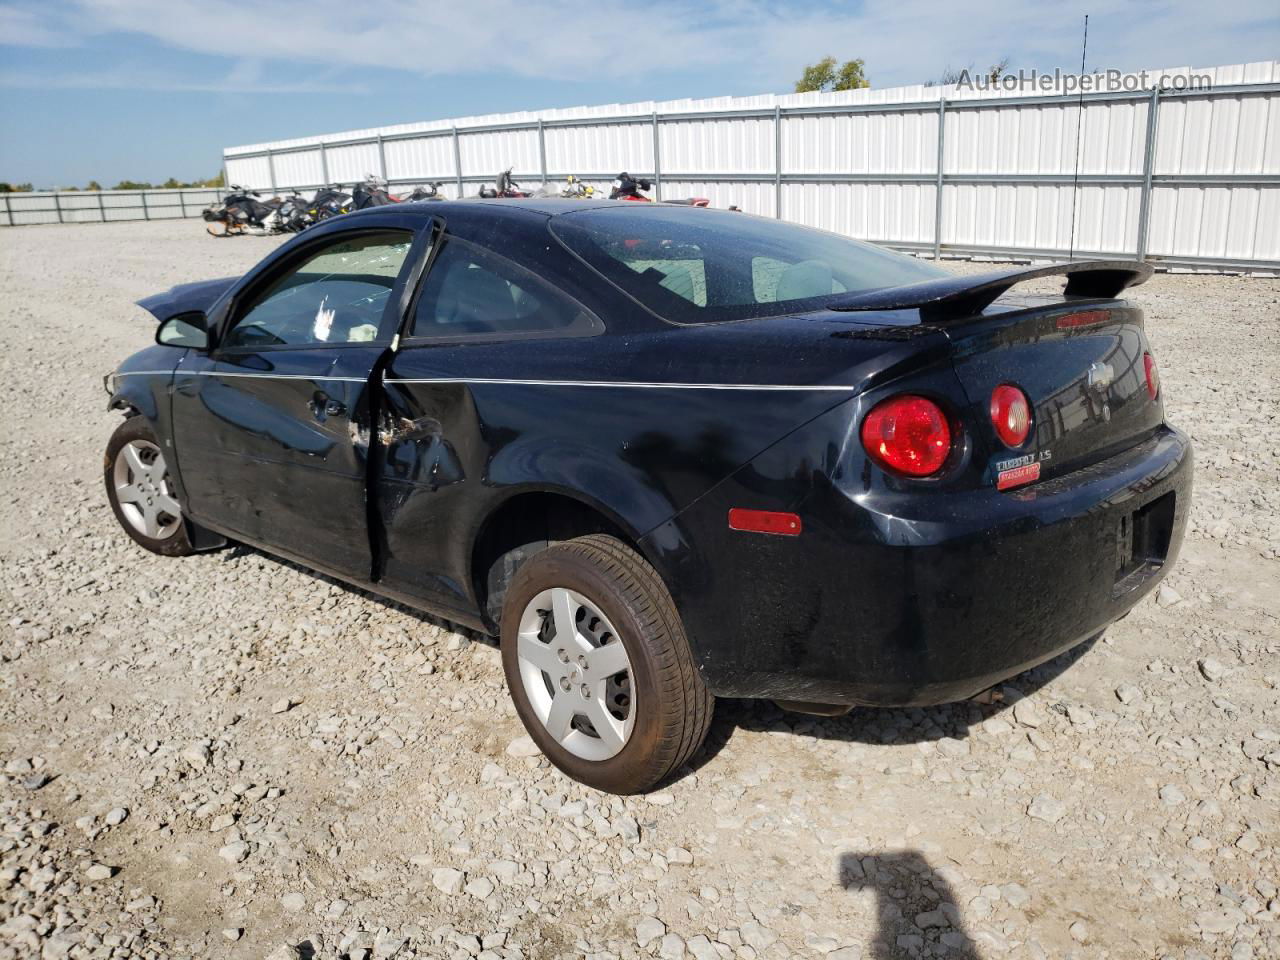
x,y
1100,376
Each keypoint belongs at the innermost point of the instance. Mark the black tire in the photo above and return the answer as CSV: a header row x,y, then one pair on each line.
x,y
176,543
673,706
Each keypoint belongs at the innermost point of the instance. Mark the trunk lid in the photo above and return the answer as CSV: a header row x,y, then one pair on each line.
x,y
1081,367
1078,357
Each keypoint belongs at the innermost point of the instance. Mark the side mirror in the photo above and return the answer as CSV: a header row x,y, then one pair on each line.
x,y
185,330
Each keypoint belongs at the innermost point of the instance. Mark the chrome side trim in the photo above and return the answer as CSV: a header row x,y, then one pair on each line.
x,y
826,388
632,385
270,376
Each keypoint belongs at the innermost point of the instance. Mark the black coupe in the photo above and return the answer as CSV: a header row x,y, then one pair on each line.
x,y
667,454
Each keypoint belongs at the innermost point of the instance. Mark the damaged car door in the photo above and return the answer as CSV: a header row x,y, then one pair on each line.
x,y
272,424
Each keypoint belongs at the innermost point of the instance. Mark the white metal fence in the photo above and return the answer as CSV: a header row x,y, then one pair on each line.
x,y
102,206
1184,177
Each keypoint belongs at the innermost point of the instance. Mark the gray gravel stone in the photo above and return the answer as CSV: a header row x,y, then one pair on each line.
x,y
448,880
649,929
1047,808
1171,796
523,747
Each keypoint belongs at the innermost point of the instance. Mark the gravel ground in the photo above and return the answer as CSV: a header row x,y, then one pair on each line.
x,y
229,756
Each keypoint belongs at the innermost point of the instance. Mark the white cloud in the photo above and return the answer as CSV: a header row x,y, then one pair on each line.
x,y
27,28
138,78
754,45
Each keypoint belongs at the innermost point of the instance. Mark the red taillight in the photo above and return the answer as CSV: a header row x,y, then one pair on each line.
x,y
907,434
1153,375
1010,414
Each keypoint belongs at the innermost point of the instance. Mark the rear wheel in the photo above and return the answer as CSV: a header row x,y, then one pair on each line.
x,y
141,491
599,668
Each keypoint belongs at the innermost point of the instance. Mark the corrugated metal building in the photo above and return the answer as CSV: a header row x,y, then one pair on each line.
x,y
1189,177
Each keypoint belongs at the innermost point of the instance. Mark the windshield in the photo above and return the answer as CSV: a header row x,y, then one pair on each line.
x,y
697,266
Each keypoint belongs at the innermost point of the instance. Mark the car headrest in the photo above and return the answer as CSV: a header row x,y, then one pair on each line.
x,y
808,278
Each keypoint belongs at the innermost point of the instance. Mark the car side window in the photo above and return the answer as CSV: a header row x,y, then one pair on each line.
x,y
471,292
336,295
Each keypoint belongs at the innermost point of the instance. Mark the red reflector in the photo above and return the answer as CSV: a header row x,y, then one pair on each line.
x,y
1010,414
1087,318
764,521
1153,375
907,434
1017,476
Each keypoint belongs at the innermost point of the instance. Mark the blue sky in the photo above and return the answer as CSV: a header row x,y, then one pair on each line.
x,y
148,89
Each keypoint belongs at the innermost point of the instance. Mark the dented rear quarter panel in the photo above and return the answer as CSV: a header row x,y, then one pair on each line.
x,y
637,426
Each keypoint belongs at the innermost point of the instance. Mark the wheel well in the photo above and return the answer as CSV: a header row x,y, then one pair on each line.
x,y
521,527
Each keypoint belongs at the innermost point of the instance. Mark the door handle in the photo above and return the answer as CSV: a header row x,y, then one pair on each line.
x,y
322,405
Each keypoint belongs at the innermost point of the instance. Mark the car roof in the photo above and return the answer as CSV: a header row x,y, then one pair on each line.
x,y
546,206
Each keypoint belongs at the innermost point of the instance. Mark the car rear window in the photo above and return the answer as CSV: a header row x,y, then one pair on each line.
x,y
692,265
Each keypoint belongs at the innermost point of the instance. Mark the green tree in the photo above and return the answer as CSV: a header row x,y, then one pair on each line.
x,y
950,76
94,185
824,75
852,76
15,188
131,185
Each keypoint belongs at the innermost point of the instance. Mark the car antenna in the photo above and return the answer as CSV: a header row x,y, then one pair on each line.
x,y
1075,179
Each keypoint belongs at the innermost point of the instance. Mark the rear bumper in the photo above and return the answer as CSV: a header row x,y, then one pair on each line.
x,y
903,599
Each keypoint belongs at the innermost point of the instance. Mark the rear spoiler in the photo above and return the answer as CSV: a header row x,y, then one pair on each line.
x,y
953,298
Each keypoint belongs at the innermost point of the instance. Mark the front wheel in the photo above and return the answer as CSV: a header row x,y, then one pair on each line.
x,y
141,492
598,666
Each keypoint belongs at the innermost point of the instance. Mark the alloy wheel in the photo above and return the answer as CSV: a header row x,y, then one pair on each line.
x,y
576,674
144,491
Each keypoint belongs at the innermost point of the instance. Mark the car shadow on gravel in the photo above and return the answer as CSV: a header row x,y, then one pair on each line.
x,y
876,726
238,550
911,899
879,725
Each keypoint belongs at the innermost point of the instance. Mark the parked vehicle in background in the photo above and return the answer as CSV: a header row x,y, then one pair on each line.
x,y
241,210
504,187
372,192
576,189
627,187
667,455
293,214
329,202
428,191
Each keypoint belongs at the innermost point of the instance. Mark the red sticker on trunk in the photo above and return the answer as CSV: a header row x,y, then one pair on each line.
x,y
1017,476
